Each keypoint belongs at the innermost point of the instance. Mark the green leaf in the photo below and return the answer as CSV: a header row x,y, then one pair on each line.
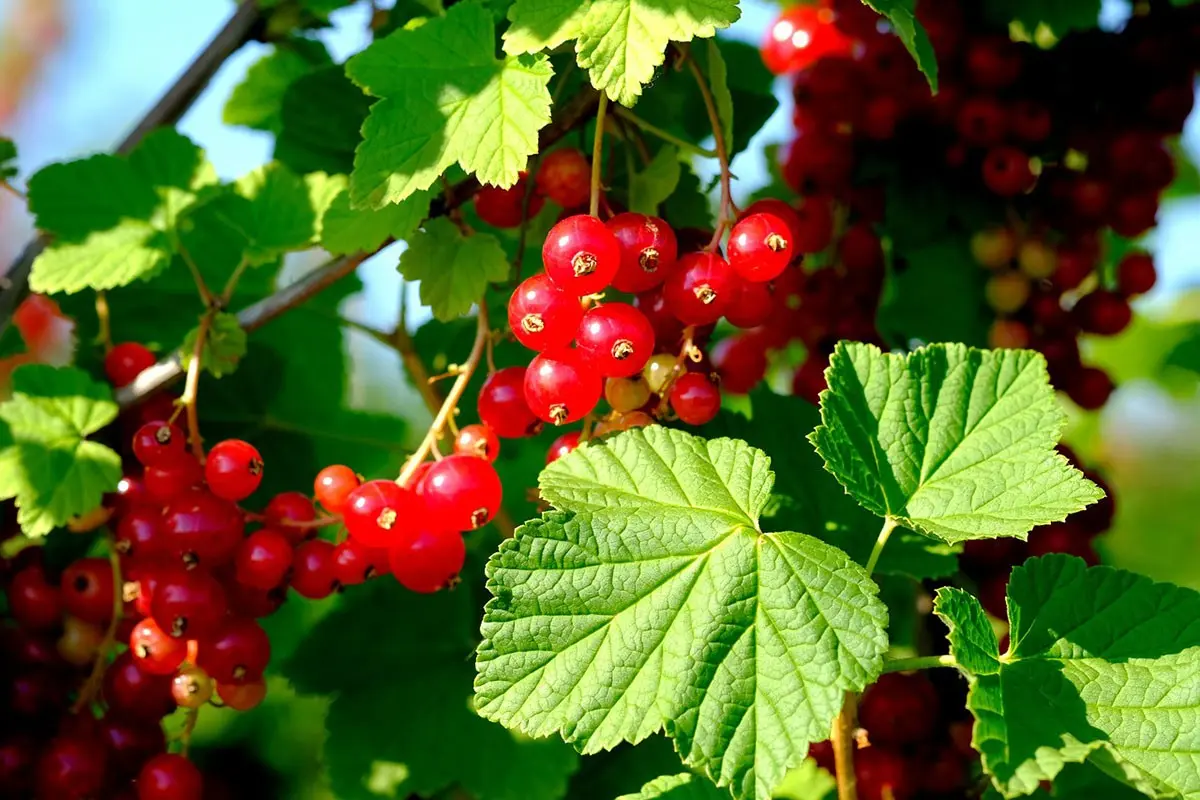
x,y
446,99
320,120
8,154
257,101
953,442
688,206
224,345
1103,667
349,230
685,786
750,85
542,24
453,269
46,463
935,293
661,527
1059,17
414,684
622,42
104,260
902,15
658,181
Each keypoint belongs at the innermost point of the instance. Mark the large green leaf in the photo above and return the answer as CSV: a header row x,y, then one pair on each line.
x,y
684,786
445,99
950,441
453,269
46,462
404,725
1103,666
902,15
345,229
257,101
321,117
657,182
655,555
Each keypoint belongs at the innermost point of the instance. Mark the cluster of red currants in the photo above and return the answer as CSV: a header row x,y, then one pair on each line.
x,y
915,745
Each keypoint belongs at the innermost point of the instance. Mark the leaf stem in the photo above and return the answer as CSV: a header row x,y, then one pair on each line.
x,y
482,333
666,136
206,295
842,737
918,662
727,211
90,687
598,155
885,533
231,284
191,387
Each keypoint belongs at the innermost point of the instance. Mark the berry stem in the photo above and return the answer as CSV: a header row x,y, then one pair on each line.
x,y
889,525
231,284
918,662
102,320
597,155
206,296
842,737
482,333
684,353
727,211
87,693
192,386
666,136
185,735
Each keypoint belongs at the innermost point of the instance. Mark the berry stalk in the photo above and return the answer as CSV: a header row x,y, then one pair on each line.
x,y
192,386
597,155
727,211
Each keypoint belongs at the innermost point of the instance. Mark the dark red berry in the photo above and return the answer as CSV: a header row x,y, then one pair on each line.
x,y
899,709
134,694
479,441
565,177
159,443
460,493
130,493
809,380
741,361
695,399
32,602
561,446
1134,214
71,768
354,562
237,652
87,589
201,528
882,774
1006,171
993,62
263,559
616,339
752,306
702,286
427,560
286,509
543,316
249,601
129,744
233,469
581,255
188,603
502,405
312,569
125,362
1102,312
1136,274
982,121
375,512
561,387
139,533
169,776
18,754
648,251
668,331
760,247
333,486
501,208
1089,388
165,483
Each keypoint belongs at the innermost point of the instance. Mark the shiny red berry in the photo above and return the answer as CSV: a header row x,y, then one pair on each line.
x,y
616,339
581,255
813,229
800,36
502,405
242,697
695,399
649,251
154,651
561,387
86,588
752,306
460,493
130,743
501,208
543,316
1102,312
200,527
375,512
561,446
32,602
263,559
71,768
237,652
139,533
702,286
333,486
188,603
159,443
427,560
233,469
355,563
131,693
1006,171
287,508
565,176
760,247
312,569
125,362
479,441
166,482
169,776
741,361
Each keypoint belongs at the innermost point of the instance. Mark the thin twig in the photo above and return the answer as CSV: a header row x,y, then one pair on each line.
x,y
206,295
192,386
844,726
403,342
14,191
666,136
482,333
597,156
231,284
727,211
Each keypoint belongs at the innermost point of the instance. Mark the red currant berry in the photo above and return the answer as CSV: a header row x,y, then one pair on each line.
x,y
561,446
131,693
813,229
899,709
355,563
541,315
581,255
993,62
502,405
809,380
188,603
125,362
1134,214
801,36
479,441
882,774
159,443
242,697
333,486
1136,274
248,601
1089,388
460,493
945,773
169,776
71,768
1006,171
163,484
237,652
616,339
1031,121
202,528
561,388
427,560
191,688
263,559
741,361
668,331
32,602
18,753
565,177
861,250
702,287
760,247
982,121
695,399
129,744
139,533
233,469
501,208
130,493
289,507
1090,197
376,510
312,569
154,651
86,588
648,251
1102,312
752,306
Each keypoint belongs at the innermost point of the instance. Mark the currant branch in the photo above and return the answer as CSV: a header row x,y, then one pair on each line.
x,y
192,387
597,156
727,212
